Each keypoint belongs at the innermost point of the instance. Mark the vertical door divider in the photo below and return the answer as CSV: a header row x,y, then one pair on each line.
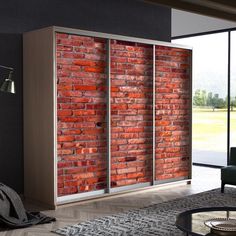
x,y
108,126
191,117
154,118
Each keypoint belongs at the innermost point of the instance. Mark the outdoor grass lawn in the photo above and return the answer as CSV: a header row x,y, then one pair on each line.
x,y
210,129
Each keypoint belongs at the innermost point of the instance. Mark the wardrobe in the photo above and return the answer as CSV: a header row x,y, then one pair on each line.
x,y
103,114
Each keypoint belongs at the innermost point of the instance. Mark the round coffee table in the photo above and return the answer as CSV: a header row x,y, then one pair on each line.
x,y
192,222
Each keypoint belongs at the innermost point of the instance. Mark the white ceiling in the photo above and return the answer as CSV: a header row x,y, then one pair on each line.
x,y
184,23
223,9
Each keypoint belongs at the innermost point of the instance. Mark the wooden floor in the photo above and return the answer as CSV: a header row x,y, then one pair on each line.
x,y
203,179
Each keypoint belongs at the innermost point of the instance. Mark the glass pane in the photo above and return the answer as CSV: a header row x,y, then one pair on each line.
x,y
209,97
233,91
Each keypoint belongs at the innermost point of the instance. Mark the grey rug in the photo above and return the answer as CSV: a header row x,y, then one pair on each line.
x,y
158,219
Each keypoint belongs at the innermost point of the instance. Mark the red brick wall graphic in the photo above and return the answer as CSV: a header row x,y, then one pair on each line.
x,y
131,105
81,113
173,113
81,99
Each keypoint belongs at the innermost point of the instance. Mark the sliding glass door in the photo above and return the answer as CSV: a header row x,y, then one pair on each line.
x,y
233,90
210,76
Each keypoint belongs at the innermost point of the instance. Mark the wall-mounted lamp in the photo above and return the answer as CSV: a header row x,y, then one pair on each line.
x,y
8,84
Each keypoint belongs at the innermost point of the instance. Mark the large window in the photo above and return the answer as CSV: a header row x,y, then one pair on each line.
x,y
210,105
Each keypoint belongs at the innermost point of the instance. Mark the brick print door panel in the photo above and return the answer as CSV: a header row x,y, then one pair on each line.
x,y
81,113
131,113
173,113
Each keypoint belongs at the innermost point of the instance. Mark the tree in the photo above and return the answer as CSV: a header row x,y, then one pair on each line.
x,y
204,97
200,98
197,98
232,103
218,102
209,99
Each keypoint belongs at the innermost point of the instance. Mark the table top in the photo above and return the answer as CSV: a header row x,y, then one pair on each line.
x,y
192,221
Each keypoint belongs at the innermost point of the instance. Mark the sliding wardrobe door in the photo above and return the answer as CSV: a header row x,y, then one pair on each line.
x,y
131,114
173,113
81,113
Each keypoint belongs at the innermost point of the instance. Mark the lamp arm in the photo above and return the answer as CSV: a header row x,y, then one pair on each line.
x,y
6,67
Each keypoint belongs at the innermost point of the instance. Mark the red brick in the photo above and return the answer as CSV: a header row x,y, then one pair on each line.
x,y
118,166
68,145
86,150
64,48
84,175
70,119
65,152
117,129
63,100
126,170
93,131
84,125
119,106
62,164
134,118
118,177
163,123
72,132
70,93
137,106
64,87
84,112
80,100
64,112
135,175
134,130
74,170
130,159
85,87
65,138
84,63
61,35
171,96
94,69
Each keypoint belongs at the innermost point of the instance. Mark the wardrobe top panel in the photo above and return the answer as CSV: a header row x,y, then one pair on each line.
x,y
112,36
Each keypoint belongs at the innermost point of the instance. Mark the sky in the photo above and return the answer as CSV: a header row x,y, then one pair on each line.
x,y
210,62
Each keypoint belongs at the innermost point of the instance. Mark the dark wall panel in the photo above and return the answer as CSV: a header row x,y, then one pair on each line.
x,y
124,17
11,120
